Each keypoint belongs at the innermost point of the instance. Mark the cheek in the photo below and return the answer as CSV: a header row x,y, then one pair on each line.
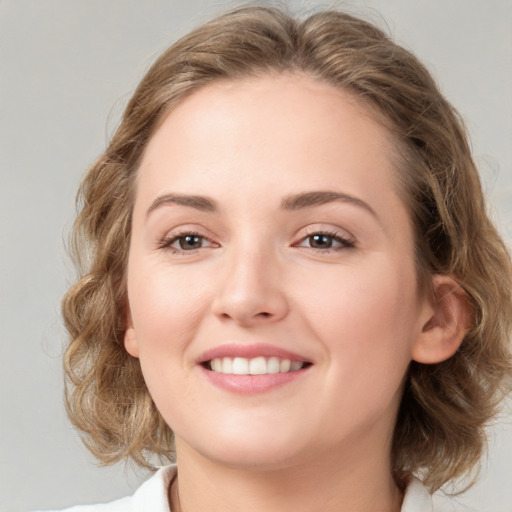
x,y
166,308
368,330
366,313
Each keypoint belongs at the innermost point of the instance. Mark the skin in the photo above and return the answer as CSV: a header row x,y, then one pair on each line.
x,y
322,440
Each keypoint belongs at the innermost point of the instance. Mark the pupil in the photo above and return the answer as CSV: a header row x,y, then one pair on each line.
x,y
321,241
190,242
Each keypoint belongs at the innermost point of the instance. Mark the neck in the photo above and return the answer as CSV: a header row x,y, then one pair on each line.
x,y
325,482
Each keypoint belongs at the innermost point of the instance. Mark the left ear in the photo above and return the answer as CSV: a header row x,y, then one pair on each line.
x,y
130,337
448,316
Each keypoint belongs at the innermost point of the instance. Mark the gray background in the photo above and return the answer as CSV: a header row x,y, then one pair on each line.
x,y
66,70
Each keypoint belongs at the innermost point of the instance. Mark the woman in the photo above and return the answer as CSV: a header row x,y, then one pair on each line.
x,y
288,275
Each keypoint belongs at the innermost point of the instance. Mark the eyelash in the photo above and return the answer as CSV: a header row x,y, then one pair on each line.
x,y
168,241
344,243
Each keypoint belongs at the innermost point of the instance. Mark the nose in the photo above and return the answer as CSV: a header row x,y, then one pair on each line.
x,y
250,292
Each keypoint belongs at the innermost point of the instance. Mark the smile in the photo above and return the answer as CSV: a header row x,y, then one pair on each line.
x,y
253,366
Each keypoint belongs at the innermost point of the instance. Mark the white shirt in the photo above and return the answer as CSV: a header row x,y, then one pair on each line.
x,y
151,496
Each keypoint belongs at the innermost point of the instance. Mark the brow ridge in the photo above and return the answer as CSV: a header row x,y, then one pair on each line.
x,y
201,203
320,197
291,202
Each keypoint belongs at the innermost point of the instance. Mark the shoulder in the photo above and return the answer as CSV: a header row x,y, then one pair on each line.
x,y
151,495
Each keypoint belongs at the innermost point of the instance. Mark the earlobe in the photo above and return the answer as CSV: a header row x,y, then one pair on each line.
x,y
130,338
448,320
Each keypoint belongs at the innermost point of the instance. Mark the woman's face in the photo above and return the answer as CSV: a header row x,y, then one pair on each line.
x,y
271,280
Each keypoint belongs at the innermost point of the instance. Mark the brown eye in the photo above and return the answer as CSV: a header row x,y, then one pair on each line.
x,y
320,241
190,242
326,242
186,242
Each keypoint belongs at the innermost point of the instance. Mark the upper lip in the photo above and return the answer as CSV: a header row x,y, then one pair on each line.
x,y
249,352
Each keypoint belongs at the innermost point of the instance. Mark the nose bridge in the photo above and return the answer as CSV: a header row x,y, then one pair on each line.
x,y
250,290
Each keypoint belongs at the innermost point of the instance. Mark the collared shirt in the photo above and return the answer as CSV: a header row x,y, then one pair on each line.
x,y
151,496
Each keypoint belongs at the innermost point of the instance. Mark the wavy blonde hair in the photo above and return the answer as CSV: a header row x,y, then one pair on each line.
x,y
440,428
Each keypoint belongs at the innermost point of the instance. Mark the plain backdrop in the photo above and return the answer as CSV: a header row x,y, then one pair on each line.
x,y
67,68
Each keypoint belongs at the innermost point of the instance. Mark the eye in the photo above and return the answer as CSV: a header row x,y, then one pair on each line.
x,y
324,241
186,242
189,242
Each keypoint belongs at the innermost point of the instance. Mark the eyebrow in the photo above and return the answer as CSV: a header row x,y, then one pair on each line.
x,y
293,202
318,198
202,203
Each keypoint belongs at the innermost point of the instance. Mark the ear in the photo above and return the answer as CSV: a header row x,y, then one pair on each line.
x,y
130,338
447,318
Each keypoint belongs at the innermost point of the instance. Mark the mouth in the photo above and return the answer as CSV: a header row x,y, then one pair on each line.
x,y
253,366
251,369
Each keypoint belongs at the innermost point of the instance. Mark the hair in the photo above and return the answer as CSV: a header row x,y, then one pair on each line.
x,y
440,430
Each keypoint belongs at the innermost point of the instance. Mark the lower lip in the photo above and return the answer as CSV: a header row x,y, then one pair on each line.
x,y
252,384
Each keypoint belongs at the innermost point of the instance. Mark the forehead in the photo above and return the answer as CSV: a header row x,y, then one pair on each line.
x,y
268,115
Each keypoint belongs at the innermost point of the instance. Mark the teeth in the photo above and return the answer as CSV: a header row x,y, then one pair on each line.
x,y
296,365
285,365
273,365
258,366
254,366
227,365
217,365
240,366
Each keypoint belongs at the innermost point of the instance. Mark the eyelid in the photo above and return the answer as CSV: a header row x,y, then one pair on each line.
x,y
174,235
346,239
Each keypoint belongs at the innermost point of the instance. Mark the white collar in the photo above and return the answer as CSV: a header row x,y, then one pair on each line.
x,y
417,498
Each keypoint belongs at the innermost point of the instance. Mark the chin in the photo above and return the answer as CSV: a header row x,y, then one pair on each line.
x,y
263,450
260,459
